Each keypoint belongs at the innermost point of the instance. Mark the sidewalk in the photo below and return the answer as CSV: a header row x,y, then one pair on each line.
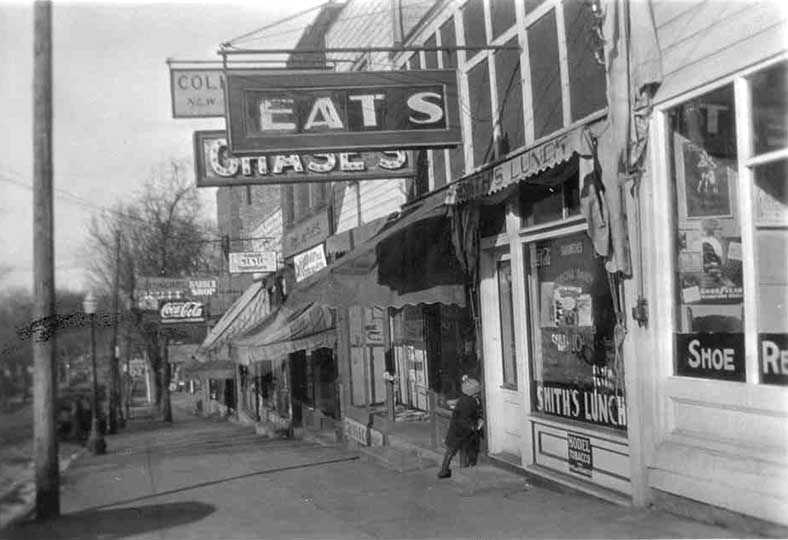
x,y
211,479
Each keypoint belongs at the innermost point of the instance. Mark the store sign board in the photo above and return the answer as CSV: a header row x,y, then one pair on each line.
x,y
287,111
591,405
710,356
249,262
580,454
309,262
356,431
215,166
149,291
181,311
773,358
306,234
197,93
202,287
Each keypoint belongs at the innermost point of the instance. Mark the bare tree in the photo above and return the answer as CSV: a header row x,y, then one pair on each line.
x,y
164,233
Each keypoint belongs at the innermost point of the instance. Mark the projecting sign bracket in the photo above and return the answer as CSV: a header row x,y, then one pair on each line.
x,y
229,50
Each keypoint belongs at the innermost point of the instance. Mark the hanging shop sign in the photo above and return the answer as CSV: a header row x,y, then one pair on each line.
x,y
181,311
286,112
215,166
197,93
710,355
305,234
773,358
250,262
149,291
592,405
309,262
580,455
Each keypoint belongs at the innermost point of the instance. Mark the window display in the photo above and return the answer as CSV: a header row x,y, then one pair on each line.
x,y
577,371
709,341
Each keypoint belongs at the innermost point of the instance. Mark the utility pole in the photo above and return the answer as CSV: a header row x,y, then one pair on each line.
x,y
166,406
114,383
47,473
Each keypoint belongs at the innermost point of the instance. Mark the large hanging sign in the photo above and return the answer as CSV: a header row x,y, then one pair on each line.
x,y
215,166
250,262
197,93
287,112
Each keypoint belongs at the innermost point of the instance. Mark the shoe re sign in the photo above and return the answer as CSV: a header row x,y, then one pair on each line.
x,y
319,111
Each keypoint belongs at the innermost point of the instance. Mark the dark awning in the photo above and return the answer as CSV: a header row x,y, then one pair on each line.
x,y
247,311
408,262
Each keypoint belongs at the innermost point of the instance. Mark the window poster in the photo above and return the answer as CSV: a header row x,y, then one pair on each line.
x,y
704,181
576,372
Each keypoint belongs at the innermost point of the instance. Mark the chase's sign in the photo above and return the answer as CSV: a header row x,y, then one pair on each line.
x,y
291,112
215,166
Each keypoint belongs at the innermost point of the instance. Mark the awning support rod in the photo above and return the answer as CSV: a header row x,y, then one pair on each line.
x,y
332,50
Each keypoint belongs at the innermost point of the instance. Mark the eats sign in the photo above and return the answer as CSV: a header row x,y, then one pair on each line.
x,y
305,112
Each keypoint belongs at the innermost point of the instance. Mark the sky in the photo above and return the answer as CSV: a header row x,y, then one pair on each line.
x,y
112,122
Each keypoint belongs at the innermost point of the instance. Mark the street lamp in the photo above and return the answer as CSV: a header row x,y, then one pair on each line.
x,y
96,443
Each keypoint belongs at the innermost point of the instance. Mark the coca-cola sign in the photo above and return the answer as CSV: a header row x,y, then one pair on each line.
x,y
181,311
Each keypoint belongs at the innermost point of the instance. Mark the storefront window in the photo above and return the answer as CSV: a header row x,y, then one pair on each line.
x,y
577,373
709,341
551,201
769,103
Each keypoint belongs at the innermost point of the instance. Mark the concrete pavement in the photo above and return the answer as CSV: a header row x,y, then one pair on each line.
x,y
211,479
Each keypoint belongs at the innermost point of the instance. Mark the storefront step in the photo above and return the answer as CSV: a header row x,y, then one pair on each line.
x,y
323,438
396,459
426,454
553,479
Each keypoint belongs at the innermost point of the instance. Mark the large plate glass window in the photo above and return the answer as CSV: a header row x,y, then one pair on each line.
x,y
576,372
709,293
769,141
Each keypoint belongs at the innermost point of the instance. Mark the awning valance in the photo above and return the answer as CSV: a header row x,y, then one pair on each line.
x,y
381,270
529,163
212,369
309,327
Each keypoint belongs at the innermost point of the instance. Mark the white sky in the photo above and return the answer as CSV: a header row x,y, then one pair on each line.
x,y
112,112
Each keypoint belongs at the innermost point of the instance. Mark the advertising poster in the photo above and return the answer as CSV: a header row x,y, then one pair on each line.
x,y
709,265
705,182
580,454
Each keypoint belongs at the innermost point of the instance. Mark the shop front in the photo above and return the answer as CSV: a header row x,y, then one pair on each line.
x,y
551,314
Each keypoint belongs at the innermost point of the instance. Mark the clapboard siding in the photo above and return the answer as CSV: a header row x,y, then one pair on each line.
x,y
703,41
379,198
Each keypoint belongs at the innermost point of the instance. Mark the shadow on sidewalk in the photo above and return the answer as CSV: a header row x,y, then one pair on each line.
x,y
113,524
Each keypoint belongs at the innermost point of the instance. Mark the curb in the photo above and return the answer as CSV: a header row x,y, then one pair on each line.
x,y
27,494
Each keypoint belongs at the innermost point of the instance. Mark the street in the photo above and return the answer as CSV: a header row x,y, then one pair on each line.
x,y
206,478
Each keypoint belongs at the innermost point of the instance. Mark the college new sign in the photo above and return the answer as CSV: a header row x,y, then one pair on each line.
x,y
287,112
214,166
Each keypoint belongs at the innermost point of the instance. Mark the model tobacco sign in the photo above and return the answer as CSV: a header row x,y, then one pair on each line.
x,y
287,112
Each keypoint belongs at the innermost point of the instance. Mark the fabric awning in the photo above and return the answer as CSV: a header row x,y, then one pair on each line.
x,y
247,311
408,262
535,160
310,326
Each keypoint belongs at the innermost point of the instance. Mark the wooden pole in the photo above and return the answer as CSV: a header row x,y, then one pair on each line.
x,y
47,474
166,405
114,373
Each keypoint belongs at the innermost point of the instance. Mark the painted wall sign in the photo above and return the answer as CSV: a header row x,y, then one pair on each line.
x,y
202,287
580,454
309,262
149,291
593,405
356,431
249,262
286,112
197,93
215,166
773,358
180,311
710,356
305,234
